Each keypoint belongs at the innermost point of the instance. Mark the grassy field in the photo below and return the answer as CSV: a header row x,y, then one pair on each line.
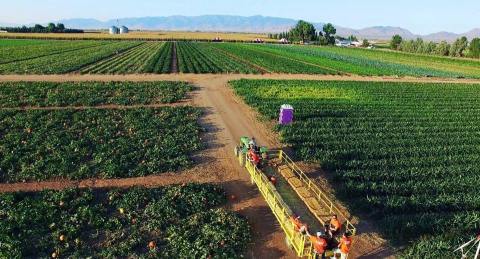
x,y
142,35
403,153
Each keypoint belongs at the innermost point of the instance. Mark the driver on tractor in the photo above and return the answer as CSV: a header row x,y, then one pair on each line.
x,y
253,144
253,156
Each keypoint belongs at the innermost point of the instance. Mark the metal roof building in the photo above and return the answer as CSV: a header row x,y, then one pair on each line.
x,y
114,30
123,30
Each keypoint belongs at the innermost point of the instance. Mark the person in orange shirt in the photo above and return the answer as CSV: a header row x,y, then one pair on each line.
x,y
319,244
344,245
335,225
298,225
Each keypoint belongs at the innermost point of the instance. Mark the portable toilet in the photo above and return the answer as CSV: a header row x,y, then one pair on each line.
x,y
286,114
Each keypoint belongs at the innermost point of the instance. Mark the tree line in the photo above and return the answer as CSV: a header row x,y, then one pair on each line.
x,y
306,32
460,48
38,28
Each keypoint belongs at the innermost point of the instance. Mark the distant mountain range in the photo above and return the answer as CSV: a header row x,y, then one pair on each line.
x,y
260,24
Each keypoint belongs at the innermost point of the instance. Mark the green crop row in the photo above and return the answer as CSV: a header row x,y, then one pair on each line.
x,y
44,94
135,60
405,153
272,62
67,61
167,222
80,144
35,49
161,62
202,58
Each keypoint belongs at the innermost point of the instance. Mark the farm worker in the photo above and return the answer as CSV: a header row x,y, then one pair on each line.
x,y
326,228
335,225
344,245
253,143
298,225
253,157
273,180
319,244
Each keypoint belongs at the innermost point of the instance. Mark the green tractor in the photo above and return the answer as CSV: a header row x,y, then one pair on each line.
x,y
243,151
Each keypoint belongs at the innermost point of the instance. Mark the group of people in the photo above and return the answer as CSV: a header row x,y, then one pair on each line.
x,y
326,240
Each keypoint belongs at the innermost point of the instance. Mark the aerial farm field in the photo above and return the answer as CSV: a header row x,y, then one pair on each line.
x,y
137,57
124,148
402,152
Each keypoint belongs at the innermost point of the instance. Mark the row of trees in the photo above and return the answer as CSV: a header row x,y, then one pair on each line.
x,y
460,48
50,28
306,32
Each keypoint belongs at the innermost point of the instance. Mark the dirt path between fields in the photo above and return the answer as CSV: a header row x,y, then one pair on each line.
x,y
174,61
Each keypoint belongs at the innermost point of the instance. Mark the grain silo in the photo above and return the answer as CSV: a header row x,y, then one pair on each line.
x,y
114,30
123,30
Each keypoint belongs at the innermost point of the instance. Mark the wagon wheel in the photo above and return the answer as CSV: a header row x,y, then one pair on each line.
x,y
288,243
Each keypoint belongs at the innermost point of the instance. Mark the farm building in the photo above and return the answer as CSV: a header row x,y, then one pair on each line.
x,y
356,44
123,30
283,41
114,30
342,43
347,43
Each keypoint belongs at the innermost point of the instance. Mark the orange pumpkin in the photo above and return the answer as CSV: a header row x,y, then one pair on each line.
x,y
152,245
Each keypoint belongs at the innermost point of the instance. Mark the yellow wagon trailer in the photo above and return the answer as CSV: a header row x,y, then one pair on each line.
x,y
295,194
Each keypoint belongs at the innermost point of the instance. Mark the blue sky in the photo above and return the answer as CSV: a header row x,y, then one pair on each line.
x,y
419,16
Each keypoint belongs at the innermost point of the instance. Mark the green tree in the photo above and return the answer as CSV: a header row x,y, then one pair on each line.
x,y
406,45
365,43
474,48
418,45
396,41
38,28
303,31
430,47
329,33
51,27
442,49
60,27
458,47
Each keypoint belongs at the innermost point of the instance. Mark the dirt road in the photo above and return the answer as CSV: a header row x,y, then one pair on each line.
x,y
226,119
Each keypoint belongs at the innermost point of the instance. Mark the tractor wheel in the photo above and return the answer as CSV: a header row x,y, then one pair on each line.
x,y
241,158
